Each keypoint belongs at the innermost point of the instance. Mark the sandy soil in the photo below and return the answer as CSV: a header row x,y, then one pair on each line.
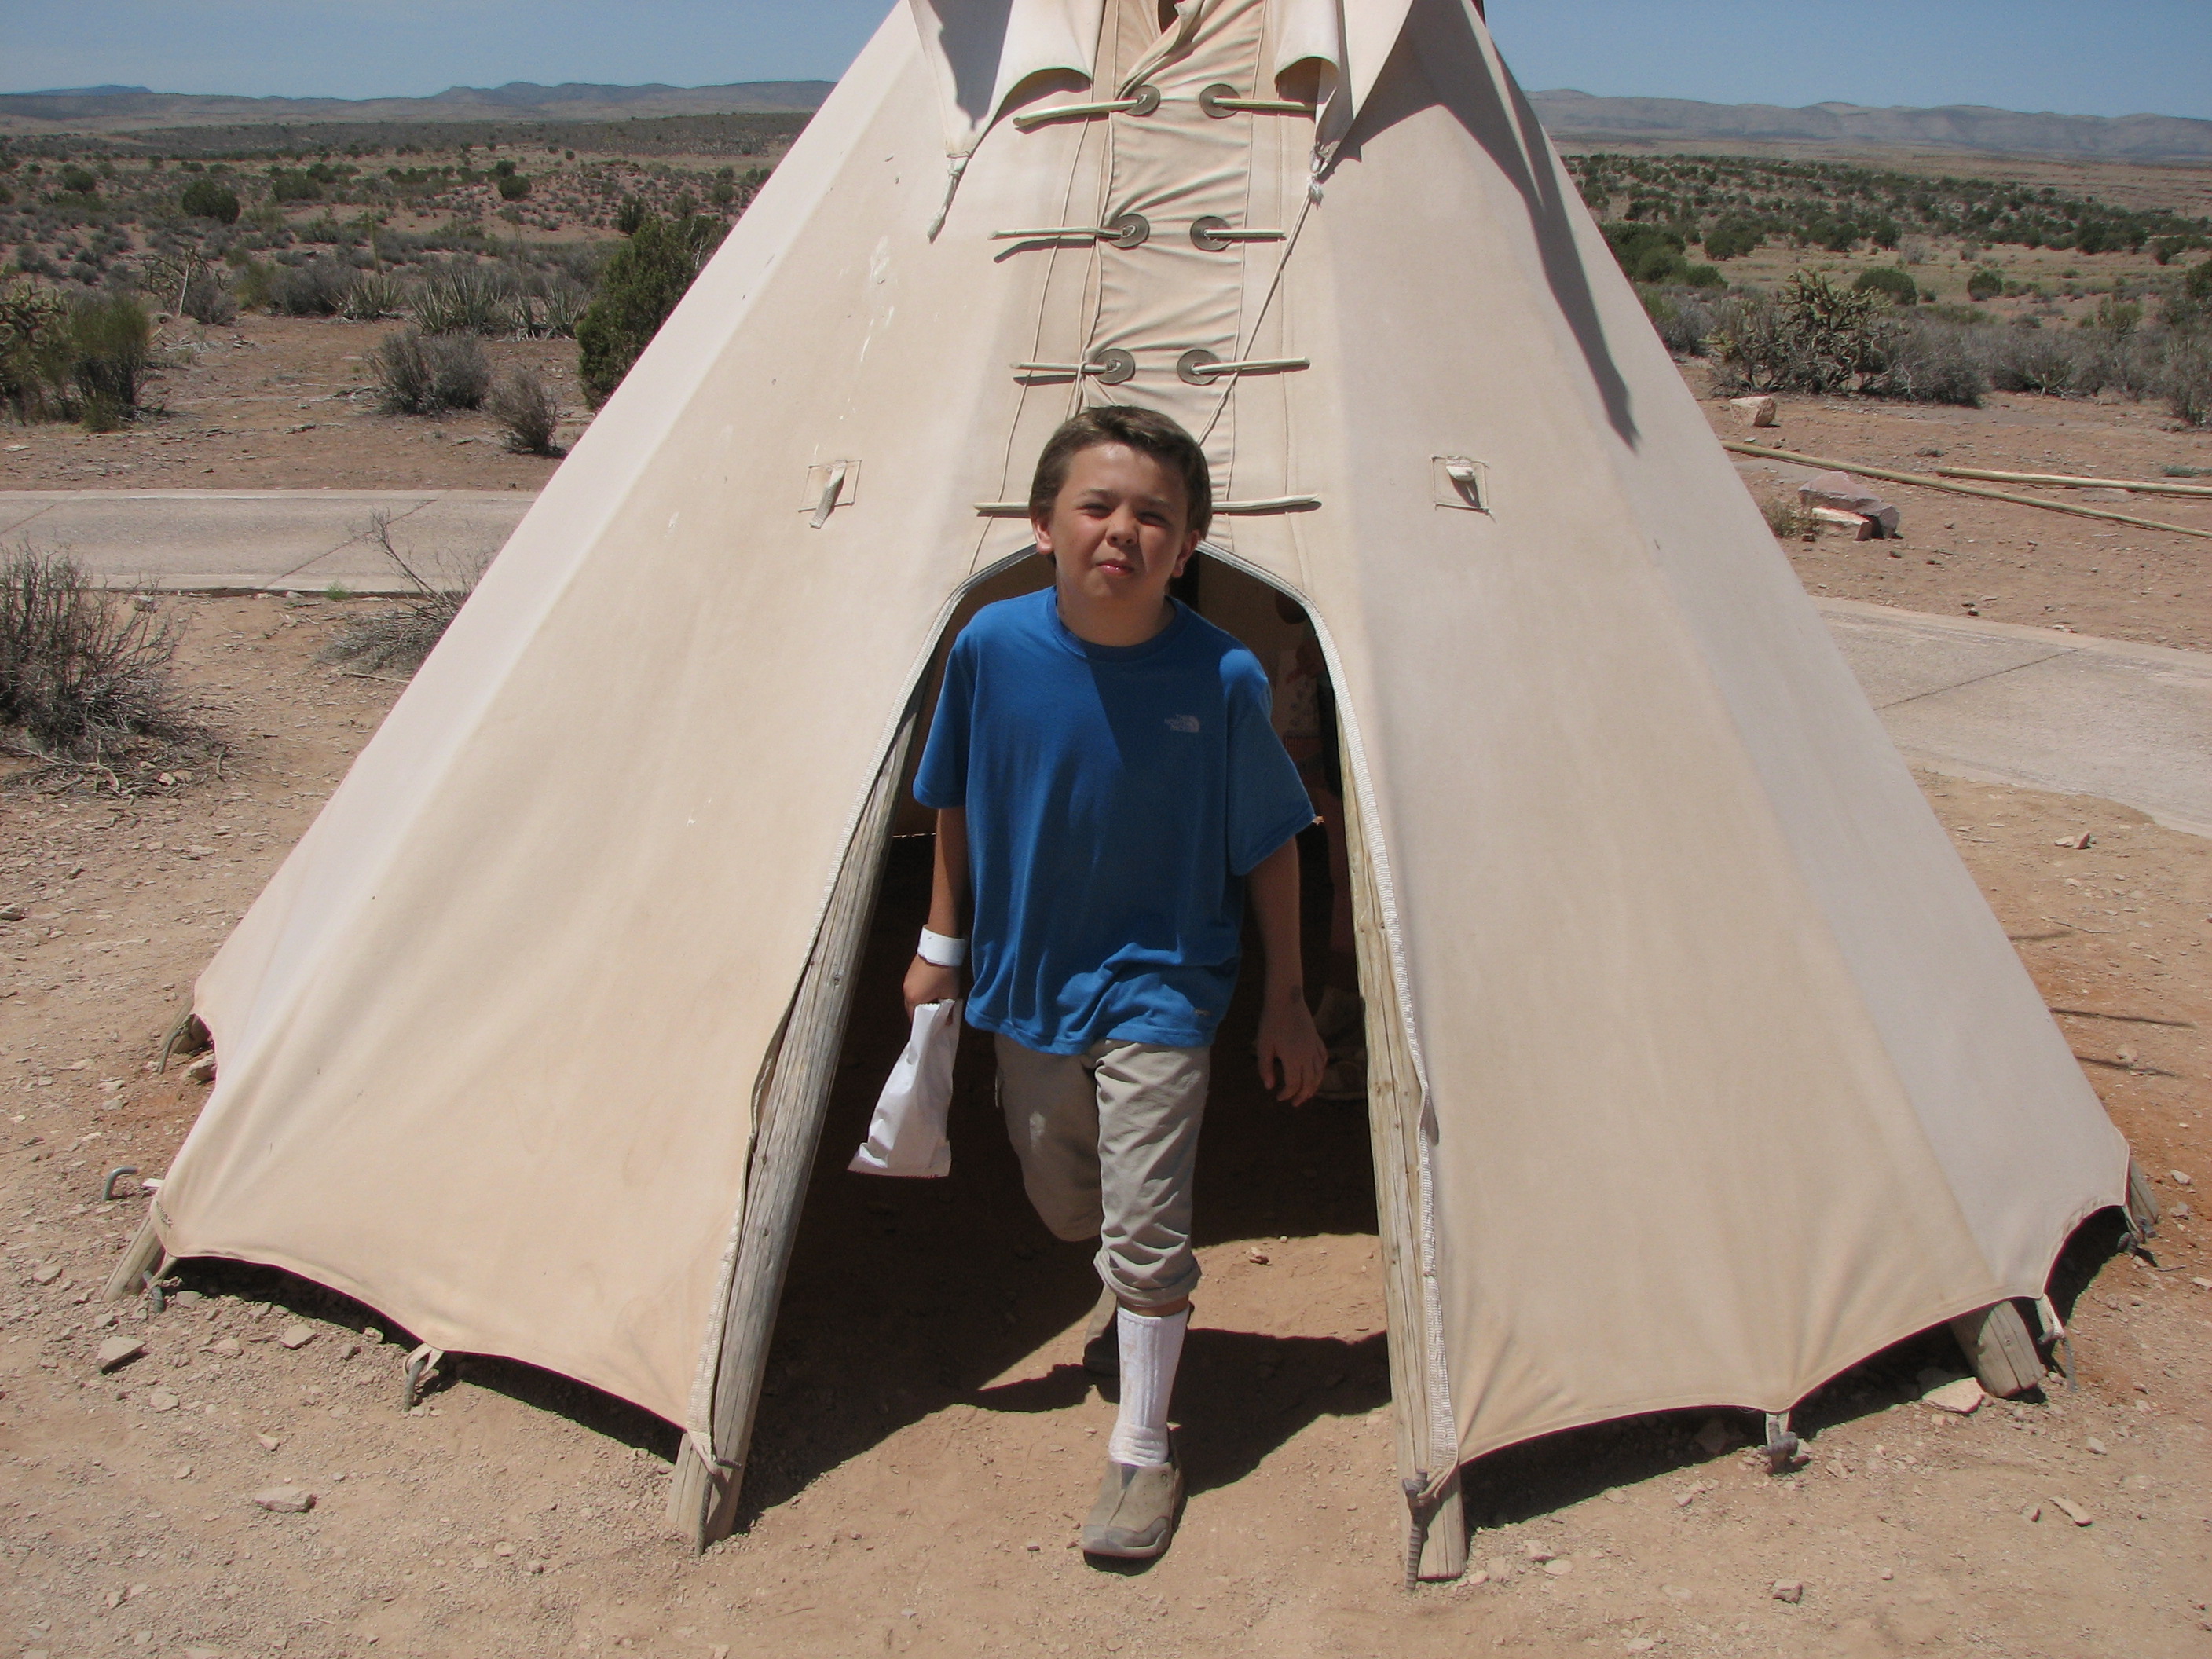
x,y
1964,556
923,1459
289,402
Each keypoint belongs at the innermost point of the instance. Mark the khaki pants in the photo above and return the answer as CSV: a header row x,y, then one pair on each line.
x,y
1108,1140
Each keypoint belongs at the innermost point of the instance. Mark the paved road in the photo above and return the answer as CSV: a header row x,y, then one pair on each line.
x,y
278,540
1982,700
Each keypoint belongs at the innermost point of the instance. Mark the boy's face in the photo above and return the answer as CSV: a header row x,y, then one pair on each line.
x,y
1117,534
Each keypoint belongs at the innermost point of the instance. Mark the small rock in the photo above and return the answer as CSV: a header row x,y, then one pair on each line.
x,y
1558,1569
1612,1495
1642,1644
268,1442
184,1471
2095,1445
1257,1258
117,1351
2202,1282
1788,1590
1713,1439
2076,842
1964,1396
228,1347
203,1069
1477,1578
1032,1547
160,1400
502,1549
2179,1178
47,1274
295,1336
1759,411
1500,1568
534,1566
1536,1552
2073,1510
285,1500
2034,1512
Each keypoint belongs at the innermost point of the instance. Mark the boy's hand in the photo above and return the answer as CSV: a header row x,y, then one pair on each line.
x,y
928,982
1290,1048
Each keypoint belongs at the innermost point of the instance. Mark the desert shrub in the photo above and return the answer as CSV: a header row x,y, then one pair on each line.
x,y
84,671
77,181
513,186
1889,281
2186,376
428,374
317,288
1648,252
523,403
1813,337
402,634
208,299
2035,359
1929,361
464,300
372,295
204,199
1732,238
1788,519
2197,284
1985,284
288,185
1683,320
631,215
640,285
34,353
111,346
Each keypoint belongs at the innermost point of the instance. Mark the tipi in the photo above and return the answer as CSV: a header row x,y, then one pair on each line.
x,y
1701,1070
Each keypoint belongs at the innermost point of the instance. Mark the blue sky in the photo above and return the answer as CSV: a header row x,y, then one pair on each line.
x,y
2118,58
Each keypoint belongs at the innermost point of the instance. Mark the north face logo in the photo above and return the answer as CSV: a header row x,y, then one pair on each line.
x,y
1182,722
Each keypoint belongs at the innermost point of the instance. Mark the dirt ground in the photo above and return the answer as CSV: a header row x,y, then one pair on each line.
x,y
289,402
923,1460
1965,555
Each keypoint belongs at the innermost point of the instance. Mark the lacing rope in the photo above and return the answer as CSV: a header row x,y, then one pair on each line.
x,y
1143,102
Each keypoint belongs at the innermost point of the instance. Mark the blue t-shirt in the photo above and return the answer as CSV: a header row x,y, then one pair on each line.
x,y
1116,798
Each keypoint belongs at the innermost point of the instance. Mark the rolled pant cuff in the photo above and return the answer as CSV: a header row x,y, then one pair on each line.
x,y
1145,1295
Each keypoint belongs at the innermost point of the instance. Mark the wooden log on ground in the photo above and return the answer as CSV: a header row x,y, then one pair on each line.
x,y
2003,1353
1928,481
2065,481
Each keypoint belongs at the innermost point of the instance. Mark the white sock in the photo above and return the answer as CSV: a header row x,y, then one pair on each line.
x,y
1151,1344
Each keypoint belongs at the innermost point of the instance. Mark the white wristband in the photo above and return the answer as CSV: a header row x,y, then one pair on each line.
x,y
941,950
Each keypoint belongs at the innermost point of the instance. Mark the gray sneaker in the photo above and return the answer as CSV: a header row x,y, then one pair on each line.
x,y
1135,1514
1102,1338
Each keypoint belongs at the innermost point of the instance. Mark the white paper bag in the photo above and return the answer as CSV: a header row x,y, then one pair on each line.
x,y
906,1137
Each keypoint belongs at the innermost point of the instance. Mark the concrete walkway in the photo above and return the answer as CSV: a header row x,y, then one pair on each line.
x,y
1981,699
266,540
2037,708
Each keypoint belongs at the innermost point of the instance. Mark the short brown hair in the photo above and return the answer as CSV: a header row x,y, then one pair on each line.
x,y
1144,430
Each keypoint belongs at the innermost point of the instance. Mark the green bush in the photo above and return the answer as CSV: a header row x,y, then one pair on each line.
x,y
287,186
640,285
203,198
1985,284
77,181
1691,276
631,215
1890,281
1648,252
2198,285
317,288
512,186
465,300
1732,238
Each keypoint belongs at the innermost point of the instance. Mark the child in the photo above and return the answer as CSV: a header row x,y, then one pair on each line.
x,y
1104,773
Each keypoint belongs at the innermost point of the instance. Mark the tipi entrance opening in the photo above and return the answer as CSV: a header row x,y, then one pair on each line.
x,y
906,1297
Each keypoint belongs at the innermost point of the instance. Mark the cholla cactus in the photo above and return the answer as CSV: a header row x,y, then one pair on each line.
x,y
34,350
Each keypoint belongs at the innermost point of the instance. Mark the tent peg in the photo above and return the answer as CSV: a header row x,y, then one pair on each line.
x,y
422,1364
107,1188
1782,1447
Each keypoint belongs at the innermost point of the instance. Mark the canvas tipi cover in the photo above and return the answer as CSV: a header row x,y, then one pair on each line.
x,y
1717,1073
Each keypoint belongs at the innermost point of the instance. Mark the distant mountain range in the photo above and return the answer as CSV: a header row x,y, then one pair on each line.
x,y
1576,116
1569,115
126,109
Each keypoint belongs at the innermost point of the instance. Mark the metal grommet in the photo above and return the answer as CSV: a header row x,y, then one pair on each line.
x,y
1210,100
1190,366
1112,366
1148,100
1205,234
1129,230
